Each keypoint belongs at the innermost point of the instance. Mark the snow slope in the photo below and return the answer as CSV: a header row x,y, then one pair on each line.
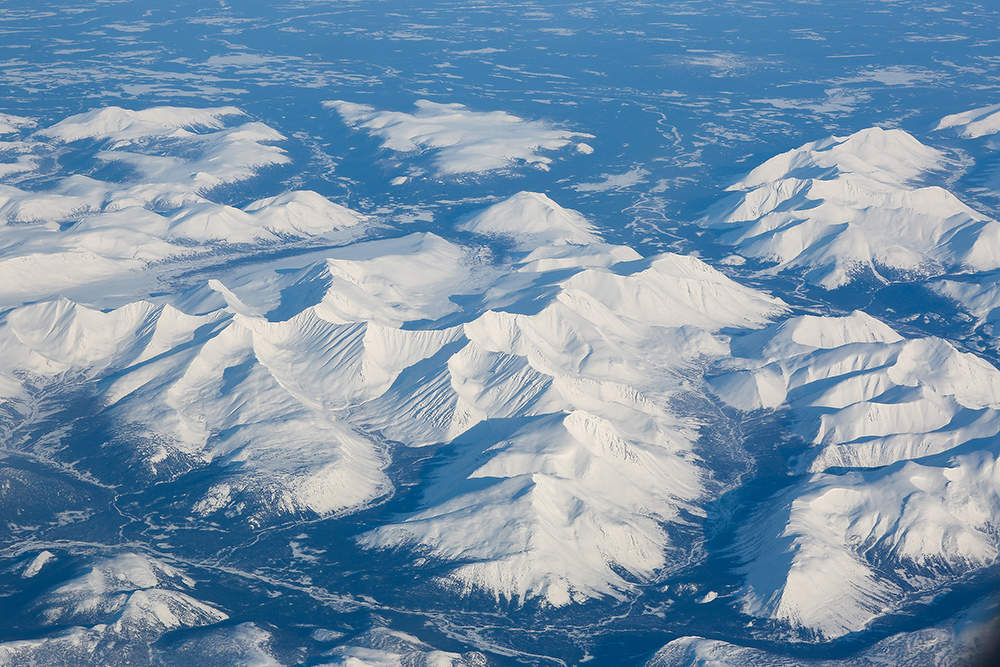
x,y
531,219
192,390
384,647
550,409
837,551
126,125
843,207
10,124
978,295
549,372
862,395
243,644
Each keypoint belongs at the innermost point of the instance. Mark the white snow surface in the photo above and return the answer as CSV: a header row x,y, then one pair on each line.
x,y
979,294
464,141
849,206
246,644
37,563
531,219
562,427
889,156
10,124
837,551
132,593
863,395
974,123
549,372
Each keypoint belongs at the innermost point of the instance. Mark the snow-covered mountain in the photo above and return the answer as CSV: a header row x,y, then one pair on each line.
x,y
561,404
383,646
977,294
76,235
974,123
837,551
957,641
510,412
113,610
864,396
904,491
554,387
848,207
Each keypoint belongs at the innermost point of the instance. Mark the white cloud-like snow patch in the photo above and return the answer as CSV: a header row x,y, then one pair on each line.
x,y
466,141
633,176
837,101
10,124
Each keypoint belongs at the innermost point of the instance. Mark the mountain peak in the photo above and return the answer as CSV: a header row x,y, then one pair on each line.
x,y
889,156
532,219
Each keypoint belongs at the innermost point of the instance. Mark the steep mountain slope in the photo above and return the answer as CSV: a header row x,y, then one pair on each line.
x,y
569,402
191,389
531,219
844,207
382,646
556,402
127,606
126,125
977,294
839,550
864,396
905,489
516,409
